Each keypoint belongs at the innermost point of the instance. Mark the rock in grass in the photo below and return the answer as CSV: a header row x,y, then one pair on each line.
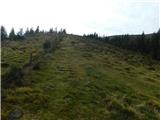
x,y
13,115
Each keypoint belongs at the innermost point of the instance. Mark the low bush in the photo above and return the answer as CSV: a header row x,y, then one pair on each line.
x,y
49,46
13,77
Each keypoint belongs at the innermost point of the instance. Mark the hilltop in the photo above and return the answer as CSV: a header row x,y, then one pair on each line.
x,y
79,78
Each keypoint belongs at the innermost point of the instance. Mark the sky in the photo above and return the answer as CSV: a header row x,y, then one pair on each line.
x,y
105,17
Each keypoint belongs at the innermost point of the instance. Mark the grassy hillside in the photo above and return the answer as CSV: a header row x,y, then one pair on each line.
x,y
18,52
82,80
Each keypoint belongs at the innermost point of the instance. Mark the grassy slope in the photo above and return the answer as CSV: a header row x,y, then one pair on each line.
x,y
84,80
18,52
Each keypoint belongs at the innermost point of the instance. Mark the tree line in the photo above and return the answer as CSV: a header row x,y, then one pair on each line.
x,y
144,43
12,35
20,35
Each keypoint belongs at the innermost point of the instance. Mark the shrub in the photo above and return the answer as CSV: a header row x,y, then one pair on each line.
x,y
13,77
49,46
36,66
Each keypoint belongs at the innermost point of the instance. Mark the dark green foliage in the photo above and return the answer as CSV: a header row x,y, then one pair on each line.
x,y
155,45
3,33
95,35
36,66
146,44
12,35
20,35
31,31
49,45
37,30
63,31
46,44
61,34
51,30
27,31
30,59
13,77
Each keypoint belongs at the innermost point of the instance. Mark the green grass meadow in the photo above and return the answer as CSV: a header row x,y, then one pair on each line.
x,y
82,80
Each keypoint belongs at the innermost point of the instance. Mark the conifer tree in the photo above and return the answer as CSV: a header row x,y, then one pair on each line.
x,y
12,35
3,33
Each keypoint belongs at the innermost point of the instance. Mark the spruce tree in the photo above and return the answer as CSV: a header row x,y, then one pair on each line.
x,y
37,29
3,33
20,34
12,35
